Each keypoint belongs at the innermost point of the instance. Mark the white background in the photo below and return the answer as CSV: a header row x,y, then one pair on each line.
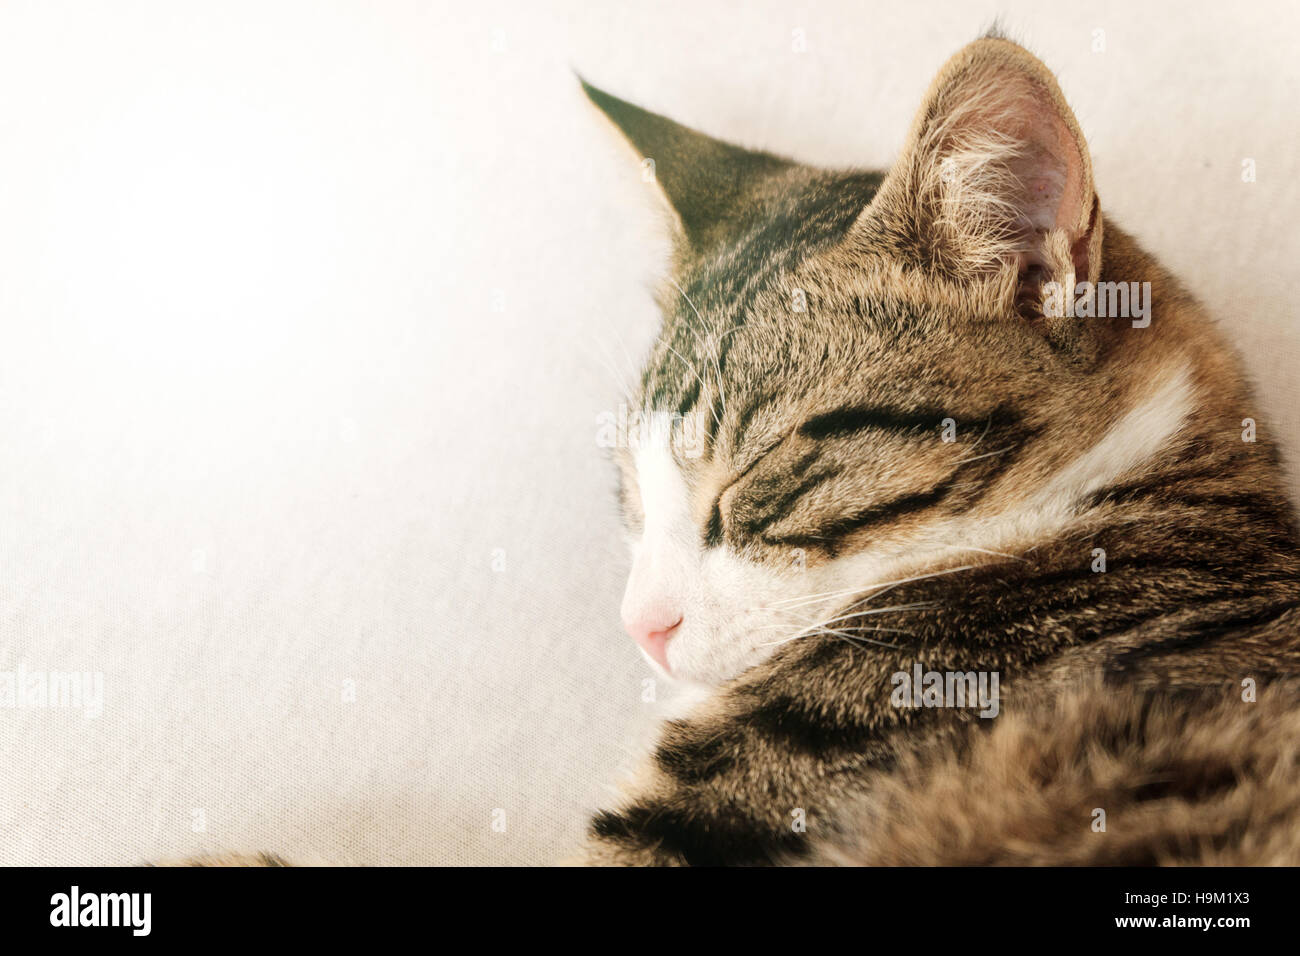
x,y
306,309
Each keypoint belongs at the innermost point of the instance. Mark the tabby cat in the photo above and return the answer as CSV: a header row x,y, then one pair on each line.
x,y
877,442
899,425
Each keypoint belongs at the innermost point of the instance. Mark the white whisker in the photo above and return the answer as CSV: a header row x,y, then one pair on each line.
x,y
987,454
691,369
812,599
1000,554
898,607
877,610
845,636
722,394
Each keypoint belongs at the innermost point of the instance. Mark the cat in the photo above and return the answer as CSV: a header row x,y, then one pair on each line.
x,y
947,420
881,441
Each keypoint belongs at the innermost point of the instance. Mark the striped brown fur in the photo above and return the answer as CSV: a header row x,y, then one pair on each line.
x,y
1196,779
823,435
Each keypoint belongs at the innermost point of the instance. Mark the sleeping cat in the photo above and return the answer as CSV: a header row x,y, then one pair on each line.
x,y
974,555
975,552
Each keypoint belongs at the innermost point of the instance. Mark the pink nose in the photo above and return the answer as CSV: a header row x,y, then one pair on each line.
x,y
653,634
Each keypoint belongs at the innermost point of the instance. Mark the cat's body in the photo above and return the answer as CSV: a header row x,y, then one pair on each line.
x,y
1105,532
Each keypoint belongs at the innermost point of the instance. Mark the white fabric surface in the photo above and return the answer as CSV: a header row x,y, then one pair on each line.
x,y
309,308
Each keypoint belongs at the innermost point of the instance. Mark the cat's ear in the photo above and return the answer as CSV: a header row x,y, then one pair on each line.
x,y
995,175
707,185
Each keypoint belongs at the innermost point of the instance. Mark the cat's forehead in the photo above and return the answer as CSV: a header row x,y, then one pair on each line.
x,y
824,328
799,314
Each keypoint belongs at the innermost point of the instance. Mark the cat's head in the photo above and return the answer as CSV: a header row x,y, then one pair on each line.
x,y
856,381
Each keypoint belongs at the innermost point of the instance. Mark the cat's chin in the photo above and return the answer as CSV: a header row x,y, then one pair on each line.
x,y
685,688
708,663
682,674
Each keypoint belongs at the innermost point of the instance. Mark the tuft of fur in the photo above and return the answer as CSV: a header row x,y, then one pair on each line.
x,y
226,859
996,175
1198,779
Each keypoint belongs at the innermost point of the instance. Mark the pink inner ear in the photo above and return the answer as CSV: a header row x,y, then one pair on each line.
x,y
1067,163
1048,163
1043,179
1050,167
1048,174
996,164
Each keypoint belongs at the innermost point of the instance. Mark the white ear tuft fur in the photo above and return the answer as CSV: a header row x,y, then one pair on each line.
x,y
996,172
